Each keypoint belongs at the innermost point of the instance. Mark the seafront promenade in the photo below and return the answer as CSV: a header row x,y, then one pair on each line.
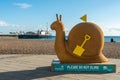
x,y
37,67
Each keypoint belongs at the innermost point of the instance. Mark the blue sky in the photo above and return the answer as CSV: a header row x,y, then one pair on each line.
x,y
31,15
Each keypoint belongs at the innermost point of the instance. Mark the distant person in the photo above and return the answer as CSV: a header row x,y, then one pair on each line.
x,y
112,40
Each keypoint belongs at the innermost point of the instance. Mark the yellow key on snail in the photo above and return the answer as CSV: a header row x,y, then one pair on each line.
x,y
79,49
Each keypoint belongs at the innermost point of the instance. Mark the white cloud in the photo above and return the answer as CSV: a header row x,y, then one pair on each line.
x,y
110,31
23,5
3,23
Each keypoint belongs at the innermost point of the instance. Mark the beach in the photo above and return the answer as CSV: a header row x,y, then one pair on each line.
x,y
18,61
13,45
17,46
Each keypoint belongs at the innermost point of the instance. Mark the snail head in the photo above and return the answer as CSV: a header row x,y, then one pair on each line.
x,y
58,23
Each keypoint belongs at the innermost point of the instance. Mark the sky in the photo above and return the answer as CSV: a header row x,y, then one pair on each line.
x,y
31,15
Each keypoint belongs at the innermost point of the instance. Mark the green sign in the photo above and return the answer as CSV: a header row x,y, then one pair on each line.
x,y
102,68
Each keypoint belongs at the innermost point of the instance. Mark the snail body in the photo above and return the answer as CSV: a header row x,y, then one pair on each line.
x,y
84,45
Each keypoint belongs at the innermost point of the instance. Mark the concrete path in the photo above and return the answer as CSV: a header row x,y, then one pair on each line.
x,y
37,67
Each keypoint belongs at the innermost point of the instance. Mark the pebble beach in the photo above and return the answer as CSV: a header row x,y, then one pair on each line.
x,y
18,61
13,45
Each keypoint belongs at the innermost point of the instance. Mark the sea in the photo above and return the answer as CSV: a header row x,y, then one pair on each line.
x,y
106,38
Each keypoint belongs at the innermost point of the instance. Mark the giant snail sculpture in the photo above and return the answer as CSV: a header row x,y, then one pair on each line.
x,y
84,45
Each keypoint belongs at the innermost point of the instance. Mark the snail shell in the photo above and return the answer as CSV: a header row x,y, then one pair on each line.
x,y
93,46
